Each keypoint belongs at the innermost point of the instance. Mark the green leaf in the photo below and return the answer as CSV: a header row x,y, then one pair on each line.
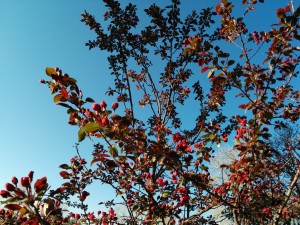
x,y
90,127
10,200
50,71
165,194
81,135
113,151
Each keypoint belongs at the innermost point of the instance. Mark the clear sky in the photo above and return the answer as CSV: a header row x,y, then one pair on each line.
x,y
34,132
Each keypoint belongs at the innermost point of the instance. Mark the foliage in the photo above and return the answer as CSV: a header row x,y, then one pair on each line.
x,y
160,166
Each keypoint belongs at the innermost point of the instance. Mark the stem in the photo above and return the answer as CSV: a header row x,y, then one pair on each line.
x,y
287,198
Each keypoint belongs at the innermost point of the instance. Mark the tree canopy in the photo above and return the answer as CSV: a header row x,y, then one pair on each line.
x,y
180,93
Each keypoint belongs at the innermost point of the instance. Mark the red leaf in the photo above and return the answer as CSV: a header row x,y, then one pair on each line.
x,y
40,184
13,207
103,155
64,93
204,69
98,159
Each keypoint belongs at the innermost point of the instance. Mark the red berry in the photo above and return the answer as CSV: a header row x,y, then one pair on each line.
x,y
42,81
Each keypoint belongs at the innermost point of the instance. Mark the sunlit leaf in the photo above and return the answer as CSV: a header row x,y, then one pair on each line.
x,y
81,135
90,127
10,200
59,98
50,71
210,73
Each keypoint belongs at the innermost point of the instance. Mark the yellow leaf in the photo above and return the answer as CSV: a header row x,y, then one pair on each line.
x,y
50,71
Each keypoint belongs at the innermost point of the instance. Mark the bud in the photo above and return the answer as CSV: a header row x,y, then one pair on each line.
x,y
9,187
96,107
14,180
103,104
4,194
25,181
30,175
105,122
115,105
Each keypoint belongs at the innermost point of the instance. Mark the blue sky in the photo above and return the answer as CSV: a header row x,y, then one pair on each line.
x,y
35,34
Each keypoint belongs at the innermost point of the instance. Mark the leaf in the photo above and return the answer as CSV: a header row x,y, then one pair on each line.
x,y
13,206
165,194
23,211
230,62
64,93
59,98
64,105
10,200
90,127
204,69
210,73
89,100
40,184
50,71
64,166
81,135
113,151
223,54
98,159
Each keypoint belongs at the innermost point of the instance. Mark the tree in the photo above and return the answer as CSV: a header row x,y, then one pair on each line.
x,y
159,164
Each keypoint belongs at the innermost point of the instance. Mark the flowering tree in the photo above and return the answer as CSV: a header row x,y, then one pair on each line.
x,y
159,164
